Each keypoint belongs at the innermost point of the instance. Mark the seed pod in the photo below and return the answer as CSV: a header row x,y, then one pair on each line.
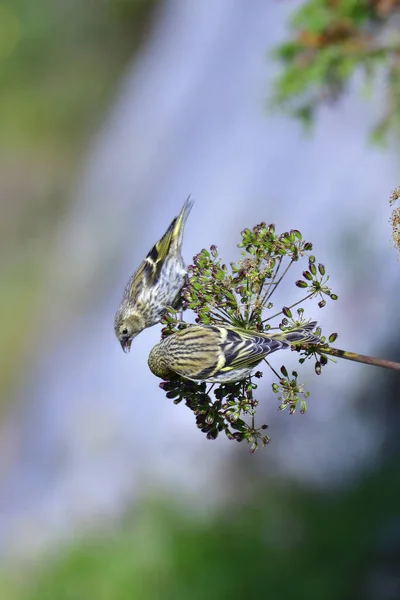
x,y
287,312
301,284
210,418
213,434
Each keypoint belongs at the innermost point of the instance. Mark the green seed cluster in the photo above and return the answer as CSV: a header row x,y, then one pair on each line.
x,y
240,295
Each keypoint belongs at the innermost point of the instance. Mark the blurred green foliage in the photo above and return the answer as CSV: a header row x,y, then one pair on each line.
x,y
59,66
283,544
331,41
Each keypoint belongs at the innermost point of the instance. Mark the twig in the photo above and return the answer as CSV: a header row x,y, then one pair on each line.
x,y
268,293
272,369
280,258
361,358
289,307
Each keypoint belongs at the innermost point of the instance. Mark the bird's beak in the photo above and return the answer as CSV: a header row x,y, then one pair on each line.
x,y
126,345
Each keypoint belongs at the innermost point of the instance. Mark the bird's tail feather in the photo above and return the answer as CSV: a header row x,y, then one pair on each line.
x,y
303,333
171,241
178,224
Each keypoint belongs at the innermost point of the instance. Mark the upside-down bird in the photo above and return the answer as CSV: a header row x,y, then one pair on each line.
x,y
221,354
156,285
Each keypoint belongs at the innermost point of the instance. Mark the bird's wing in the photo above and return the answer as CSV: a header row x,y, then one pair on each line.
x,y
243,349
148,272
178,225
160,250
172,238
139,280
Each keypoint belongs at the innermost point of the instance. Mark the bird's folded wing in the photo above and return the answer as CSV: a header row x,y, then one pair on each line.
x,y
245,349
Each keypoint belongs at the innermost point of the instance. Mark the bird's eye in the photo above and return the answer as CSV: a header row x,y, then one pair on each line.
x,y
124,331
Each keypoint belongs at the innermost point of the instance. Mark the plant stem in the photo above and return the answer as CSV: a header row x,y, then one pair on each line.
x,y
273,370
217,316
289,307
267,297
272,280
248,302
361,358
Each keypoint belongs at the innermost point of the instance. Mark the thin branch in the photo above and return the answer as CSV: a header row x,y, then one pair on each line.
x,y
278,282
361,358
261,288
272,369
291,306
252,407
220,317
248,302
280,258
225,312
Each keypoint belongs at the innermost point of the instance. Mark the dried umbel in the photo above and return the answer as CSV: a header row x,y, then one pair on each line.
x,y
236,301
395,218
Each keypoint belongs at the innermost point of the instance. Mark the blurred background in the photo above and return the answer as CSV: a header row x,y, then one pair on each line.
x,y
111,113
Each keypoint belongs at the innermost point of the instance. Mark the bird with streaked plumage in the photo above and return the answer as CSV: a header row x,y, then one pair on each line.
x,y
221,354
156,285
